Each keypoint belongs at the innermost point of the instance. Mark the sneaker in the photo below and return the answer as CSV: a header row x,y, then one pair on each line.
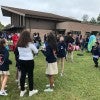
x,y
26,76
25,86
16,81
48,85
48,90
33,92
3,93
5,90
18,87
61,74
22,93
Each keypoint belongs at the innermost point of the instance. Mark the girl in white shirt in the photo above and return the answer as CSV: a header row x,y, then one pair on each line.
x,y
26,61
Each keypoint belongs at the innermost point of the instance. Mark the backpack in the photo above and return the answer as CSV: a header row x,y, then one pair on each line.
x,y
1,59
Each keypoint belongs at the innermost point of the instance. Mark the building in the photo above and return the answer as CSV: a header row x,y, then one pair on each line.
x,y
43,23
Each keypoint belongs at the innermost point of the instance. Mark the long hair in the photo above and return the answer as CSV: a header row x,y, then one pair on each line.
x,y
51,39
24,39
2,42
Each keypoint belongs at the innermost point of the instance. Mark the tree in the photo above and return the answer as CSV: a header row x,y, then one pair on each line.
x,y
93,20
85,18
98,19
1,26
8,26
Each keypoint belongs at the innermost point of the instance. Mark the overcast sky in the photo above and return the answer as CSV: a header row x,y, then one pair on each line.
x,y
69,8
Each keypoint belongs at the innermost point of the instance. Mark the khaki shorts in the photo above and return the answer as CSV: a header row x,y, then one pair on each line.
x,y
52,68
4,73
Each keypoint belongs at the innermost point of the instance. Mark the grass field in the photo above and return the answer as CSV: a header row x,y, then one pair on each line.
x,y
81,81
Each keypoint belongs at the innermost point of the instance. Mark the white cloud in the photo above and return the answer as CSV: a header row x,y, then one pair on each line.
x,y
74,8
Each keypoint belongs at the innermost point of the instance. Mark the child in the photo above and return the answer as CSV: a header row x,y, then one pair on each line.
x,y
61,53
51,68
70,50
96,53
18,67
15,38
4,66
26,62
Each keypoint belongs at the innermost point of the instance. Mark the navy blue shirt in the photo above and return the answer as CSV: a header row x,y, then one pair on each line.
x,y
5,65
96,51
61,50
50,57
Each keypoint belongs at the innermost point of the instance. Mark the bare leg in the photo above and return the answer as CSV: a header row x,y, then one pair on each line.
x,y
68,56
17,74
58,60
2,77
4,82
62,64
72,56
51,80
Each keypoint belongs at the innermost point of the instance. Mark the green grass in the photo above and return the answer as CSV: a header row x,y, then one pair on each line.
x,y
81,81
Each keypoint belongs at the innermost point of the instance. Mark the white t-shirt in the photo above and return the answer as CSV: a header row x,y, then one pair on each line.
x,y
26,53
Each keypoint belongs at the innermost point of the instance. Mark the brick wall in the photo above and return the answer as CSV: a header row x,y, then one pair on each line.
x,y
75,26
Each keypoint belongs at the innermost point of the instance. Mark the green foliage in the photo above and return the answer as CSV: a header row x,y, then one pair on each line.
x,y
98,19
81,80
1,26
8,26
93,20
85,18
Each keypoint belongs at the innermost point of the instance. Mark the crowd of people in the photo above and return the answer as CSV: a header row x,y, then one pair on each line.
x,y
55,48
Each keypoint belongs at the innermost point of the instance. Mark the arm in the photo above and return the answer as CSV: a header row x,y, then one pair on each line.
x,y
33,48
55,53
44,52
16,54
6,57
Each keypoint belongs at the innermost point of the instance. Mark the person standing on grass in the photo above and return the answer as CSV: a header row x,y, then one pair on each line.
x,y
96,53
26,61
69,46
18,68
91,42
61,53
50,53
15,38
4,66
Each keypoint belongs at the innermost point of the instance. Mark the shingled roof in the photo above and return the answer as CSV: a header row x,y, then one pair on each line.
x,y
37,14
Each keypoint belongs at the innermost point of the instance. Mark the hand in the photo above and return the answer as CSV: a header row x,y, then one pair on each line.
x,y
42,48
